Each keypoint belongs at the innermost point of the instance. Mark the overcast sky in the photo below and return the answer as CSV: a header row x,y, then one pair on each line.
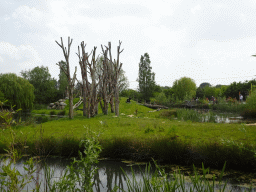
x,y
206,40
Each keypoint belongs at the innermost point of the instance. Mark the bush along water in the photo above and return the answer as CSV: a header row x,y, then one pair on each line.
x,y
195,116
79,175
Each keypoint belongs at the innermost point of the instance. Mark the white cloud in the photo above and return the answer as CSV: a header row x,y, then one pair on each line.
x,y
196,9
19,53
27,13
6,18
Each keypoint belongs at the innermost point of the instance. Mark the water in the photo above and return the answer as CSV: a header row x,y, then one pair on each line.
x,y
108,176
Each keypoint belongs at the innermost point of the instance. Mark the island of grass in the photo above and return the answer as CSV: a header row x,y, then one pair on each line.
x,y
140,135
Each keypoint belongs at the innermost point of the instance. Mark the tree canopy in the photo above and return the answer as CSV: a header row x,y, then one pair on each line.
x,y
17,90
184,88
45,86
146,78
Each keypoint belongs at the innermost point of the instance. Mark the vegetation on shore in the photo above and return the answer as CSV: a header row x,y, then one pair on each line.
x,y
140,135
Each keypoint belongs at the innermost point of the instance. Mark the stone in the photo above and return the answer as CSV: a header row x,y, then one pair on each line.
x,y
48,107
51,104
62,104
54,106
56,103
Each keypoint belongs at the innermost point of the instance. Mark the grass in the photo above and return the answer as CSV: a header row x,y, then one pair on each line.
x,y
139,135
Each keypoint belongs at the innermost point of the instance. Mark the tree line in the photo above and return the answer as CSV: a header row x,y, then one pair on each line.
x,y
103,79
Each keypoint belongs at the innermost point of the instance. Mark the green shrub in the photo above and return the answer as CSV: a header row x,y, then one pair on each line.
x,y
168,113
52,112
63,112
42,119
149,130
250,106
40,106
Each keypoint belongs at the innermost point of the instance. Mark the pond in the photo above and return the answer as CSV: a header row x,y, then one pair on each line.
x,y
108,176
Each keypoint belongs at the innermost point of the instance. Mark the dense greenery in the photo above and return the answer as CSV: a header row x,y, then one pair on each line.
x,y
45,86
18,91
146,78
184,88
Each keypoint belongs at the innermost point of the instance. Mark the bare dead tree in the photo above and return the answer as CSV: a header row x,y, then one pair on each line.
x,y
90,106
106,80
116,70
111,72
71,81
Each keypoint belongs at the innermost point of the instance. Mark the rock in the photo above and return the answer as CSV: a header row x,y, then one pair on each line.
x,y
62,104
56,103
54,106
48,107
51,104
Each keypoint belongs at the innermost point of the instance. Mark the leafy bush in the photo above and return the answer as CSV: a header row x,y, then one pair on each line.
x,y
63,112
42,119
161,99
168,114
149,130
52,113
40,106
251,101
250,106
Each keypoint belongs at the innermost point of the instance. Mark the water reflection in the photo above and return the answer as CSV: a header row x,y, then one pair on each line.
x,y
108,176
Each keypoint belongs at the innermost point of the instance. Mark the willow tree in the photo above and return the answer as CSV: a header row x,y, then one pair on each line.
x,y
66,70
17,90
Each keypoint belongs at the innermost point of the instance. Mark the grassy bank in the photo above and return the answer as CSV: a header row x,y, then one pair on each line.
x,y
140,135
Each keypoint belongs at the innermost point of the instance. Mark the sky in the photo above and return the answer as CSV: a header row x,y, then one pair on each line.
x,y
206,40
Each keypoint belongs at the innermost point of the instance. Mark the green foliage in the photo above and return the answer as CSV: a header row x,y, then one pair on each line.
x,y
159,180
79,175
42,119
184,88
63,112
195,116
1,96
53,112
244,88
250,106
130,93
251,101
17,91
45,86
148,130
146,78
161,99
205,84
168,92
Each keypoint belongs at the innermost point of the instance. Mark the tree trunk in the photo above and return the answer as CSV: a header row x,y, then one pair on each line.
x,y
84,101
117,101
71,111
112,104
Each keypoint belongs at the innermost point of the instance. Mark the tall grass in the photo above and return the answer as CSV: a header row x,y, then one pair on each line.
x,y
195,116
161,181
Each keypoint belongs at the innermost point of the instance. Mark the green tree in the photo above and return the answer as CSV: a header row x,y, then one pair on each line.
x,y
200,92
184,88
18,91
146,78
45,86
